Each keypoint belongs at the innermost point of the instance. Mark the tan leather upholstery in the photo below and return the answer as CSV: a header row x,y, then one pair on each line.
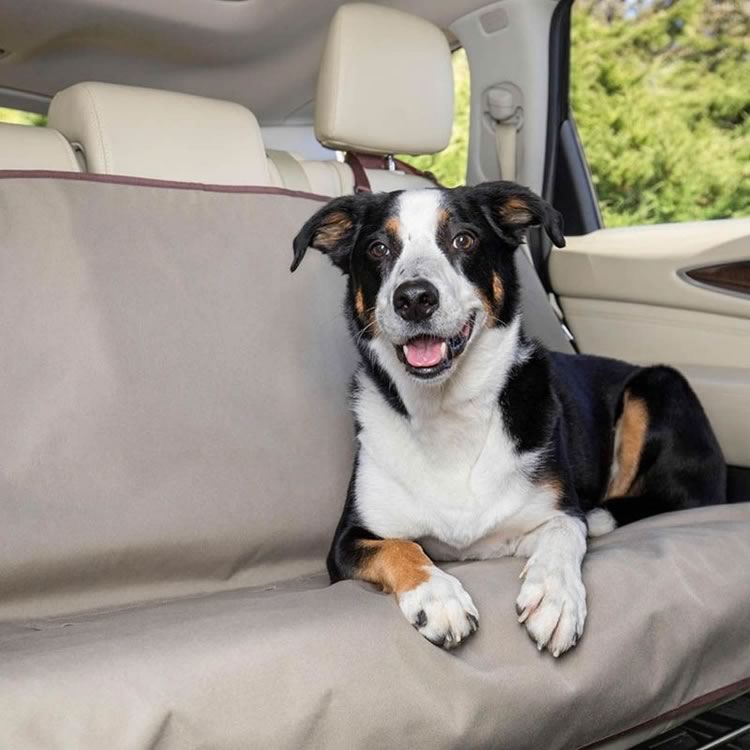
x,y
24,147
335,178
368,101
291,174
161,134
329,177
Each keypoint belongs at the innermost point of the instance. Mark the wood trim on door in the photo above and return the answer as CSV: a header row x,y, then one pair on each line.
x,y
725,277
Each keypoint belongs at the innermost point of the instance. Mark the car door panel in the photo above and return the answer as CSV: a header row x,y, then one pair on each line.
x,y
632,293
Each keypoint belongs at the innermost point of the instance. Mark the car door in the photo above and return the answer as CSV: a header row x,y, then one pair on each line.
x,y
657,288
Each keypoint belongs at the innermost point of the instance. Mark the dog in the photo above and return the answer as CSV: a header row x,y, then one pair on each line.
x,y
472,440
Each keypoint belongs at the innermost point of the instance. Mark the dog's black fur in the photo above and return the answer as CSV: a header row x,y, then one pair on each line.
x,y
567,405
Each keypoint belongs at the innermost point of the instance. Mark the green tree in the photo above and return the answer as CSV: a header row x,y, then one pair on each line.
x,y
449,165
17,117
660,90
661,96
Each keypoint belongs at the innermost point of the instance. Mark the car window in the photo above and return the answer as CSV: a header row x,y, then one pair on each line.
x,y
449,166
19,117
660,92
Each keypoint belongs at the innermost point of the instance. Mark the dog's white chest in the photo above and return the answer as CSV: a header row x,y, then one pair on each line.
x,y
452,477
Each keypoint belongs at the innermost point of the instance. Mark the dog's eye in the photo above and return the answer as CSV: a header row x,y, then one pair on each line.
x,y
378,250
463,241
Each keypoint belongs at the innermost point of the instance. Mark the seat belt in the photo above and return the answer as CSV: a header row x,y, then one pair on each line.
x,y
508,120
361,180
361,162
505,146
293,176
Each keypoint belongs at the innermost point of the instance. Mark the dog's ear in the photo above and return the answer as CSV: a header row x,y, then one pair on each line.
x,y
511,209
332,230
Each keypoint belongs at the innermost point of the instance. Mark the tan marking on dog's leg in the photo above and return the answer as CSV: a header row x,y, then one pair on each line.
x,y
395,565
630,436
433,601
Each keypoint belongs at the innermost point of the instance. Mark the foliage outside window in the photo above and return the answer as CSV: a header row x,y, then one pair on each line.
x,y
17,117
449,165
660,92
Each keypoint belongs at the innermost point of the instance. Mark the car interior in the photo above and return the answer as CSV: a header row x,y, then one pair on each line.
x,y
176,438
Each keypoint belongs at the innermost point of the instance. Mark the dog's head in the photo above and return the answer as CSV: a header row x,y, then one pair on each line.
x,y
429,270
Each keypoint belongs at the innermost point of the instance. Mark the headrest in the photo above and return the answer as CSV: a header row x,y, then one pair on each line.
x,y
127,130
385,84
26,147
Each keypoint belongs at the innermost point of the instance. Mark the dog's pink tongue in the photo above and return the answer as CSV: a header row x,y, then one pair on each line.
x,y
424,352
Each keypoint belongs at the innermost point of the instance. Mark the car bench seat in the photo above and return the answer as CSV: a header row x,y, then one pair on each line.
x,y
175,450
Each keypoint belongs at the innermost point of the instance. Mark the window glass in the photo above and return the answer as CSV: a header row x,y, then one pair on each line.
x,y
660,91
449,166
18,117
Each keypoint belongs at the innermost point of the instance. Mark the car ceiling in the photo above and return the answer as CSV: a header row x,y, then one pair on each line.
x,y
261,53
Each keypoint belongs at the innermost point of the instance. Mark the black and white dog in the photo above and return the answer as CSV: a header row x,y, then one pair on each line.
x,y
473,441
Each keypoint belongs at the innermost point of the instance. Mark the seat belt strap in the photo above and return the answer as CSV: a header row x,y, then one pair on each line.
x,y
361,162
361,180
505,145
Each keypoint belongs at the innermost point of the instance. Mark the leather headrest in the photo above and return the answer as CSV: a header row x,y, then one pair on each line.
x,y
385,84
128,130
24,147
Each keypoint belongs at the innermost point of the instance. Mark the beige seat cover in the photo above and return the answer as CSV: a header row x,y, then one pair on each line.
x,y
175,450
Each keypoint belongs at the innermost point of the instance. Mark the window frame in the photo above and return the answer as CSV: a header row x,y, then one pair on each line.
x,y
566,170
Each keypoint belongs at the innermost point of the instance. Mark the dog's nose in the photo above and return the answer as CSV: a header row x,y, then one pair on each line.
x,y
415,301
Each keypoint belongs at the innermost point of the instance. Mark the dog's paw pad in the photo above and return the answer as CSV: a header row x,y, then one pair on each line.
x,y
552,606
440,609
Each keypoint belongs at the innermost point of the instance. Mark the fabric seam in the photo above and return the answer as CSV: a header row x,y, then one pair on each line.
x,y
9,174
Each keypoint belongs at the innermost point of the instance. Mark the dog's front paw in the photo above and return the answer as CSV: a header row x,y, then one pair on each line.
x,y
552,605
440,609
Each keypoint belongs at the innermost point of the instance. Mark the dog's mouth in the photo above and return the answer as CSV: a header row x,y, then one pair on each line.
x,y
429,356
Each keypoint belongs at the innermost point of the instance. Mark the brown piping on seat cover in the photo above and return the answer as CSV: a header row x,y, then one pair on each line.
x,y
150,182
